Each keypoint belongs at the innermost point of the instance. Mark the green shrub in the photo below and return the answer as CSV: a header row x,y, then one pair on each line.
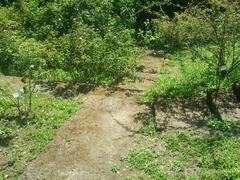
x,y
180,31
212,34
191,73
69,38
7,50
93,59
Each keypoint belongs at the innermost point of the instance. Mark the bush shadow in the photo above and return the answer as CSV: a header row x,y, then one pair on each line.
x,y
66,90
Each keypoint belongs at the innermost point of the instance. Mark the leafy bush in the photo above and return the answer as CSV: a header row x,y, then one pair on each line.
x,y
93,59
69,38
7,50
214,25
195,72
54,19
8,99
180,31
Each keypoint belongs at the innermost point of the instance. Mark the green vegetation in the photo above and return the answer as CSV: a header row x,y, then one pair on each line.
x,y
21,140
95,42
145,160
186,75
85,42
115,168
17,99
201,44
98,43
188,154
212,59
68,37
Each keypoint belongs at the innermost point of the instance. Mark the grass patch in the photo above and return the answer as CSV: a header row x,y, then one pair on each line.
x,y
22,140
190,73
145,160
187,154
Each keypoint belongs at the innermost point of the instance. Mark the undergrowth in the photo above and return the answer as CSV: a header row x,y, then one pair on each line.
x,y
187,154
189,74
23,139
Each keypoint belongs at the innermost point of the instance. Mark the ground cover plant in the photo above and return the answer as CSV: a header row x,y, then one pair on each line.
x,y
22,137
187,154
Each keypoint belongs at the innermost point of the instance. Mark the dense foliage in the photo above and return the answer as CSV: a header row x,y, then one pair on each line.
x,y
89,41
82,40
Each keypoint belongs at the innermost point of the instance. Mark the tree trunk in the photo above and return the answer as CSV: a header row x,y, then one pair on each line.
x,y
212,106
152,108
236,90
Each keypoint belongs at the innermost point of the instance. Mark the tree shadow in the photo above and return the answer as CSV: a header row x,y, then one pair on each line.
x,y
229,106
181,113
126,127
188,110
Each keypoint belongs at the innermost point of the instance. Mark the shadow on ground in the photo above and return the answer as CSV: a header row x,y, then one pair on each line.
x,y
183,113
66,89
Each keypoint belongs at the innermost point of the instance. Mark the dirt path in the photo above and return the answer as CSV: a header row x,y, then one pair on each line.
x,y
87,146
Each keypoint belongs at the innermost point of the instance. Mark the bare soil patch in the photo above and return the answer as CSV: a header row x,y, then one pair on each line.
x,y
87,146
